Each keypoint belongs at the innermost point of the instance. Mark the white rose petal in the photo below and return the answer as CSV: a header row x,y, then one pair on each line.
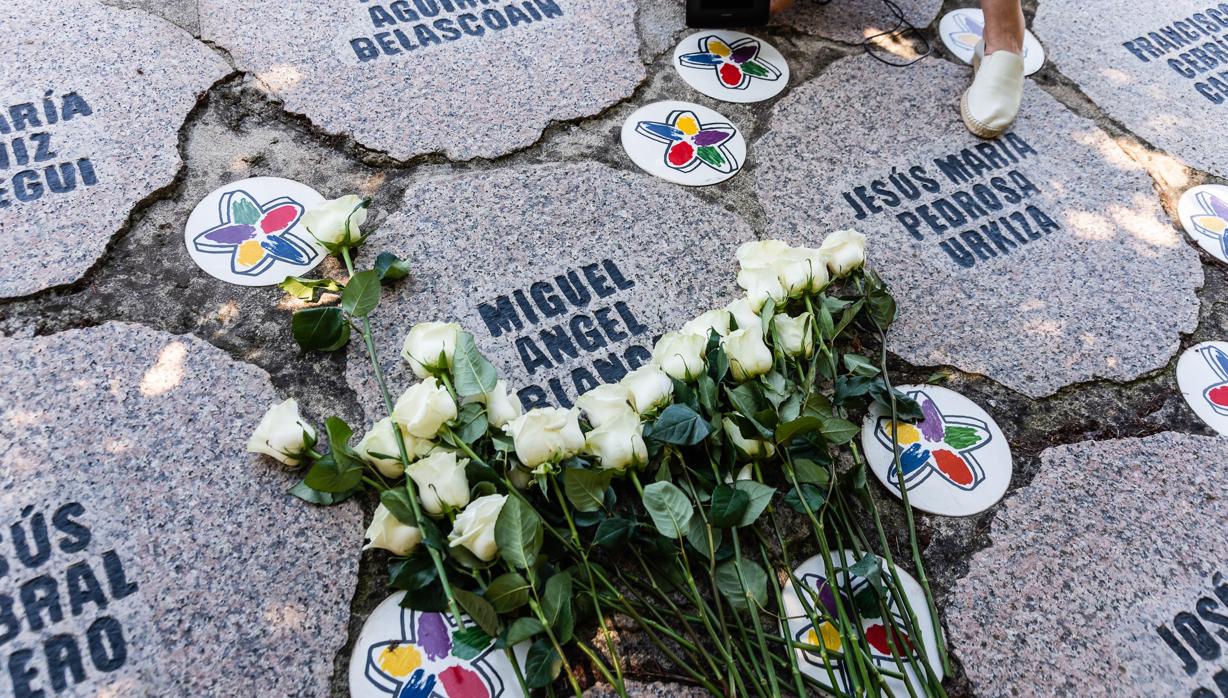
x,y
746,473
424,409
544,435
761,254
749,448
802,269
705,324
749,356
619,443
426,343
379,448
605,402
388,533
327,221
760,285
501,407
680,355
441,481
744,315
794,334
648,387
845,251
475,527
280,434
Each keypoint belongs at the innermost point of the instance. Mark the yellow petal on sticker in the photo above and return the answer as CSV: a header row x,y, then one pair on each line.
x,y
967,39
250,253
688,125
905,433
1212,224
719,47
831,637
400,660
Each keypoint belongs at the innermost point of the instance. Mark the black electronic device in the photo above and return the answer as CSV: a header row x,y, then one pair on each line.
x,y
720,14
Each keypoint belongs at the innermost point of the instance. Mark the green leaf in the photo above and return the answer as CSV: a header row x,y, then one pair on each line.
x,y
697,536
320,329
749,401
542,665
728,506
518,533
396,501
882,305
522,629
870,569
507,592
474,375
680,425
741,581
433,537
759,496
669,508
361,294
304,492
961,437
798,427
471,423
305,289
556,606
339,471
479,609
866,602
809,471
469,643
390,267
859,365
613,533
814,498
838,431
585,489
415,573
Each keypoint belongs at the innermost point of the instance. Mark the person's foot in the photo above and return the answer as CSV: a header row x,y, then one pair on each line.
x,y
990,105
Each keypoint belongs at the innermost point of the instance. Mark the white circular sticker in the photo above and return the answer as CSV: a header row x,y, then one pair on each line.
x,y
856,592
402,653
684,143
1202,375
962,29
249,232
1204,215
731,66
955,460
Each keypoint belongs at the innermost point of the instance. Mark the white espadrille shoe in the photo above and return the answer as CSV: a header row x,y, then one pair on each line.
x,y
991,103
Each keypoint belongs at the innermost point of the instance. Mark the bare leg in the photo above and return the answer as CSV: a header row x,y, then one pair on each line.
x,y
1004,26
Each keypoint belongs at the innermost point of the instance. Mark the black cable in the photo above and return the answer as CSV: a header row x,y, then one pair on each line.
x,y
902,28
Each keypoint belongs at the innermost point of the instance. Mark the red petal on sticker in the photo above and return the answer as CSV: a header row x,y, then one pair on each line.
x,y
1219,396
953,467
459,682
876,635
277,219
681,153
731,75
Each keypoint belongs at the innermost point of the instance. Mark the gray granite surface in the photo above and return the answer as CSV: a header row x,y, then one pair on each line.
x,y
181,12
1070,297
476,80
119,84
1114,546
638,258
145,541
1160,68
854,21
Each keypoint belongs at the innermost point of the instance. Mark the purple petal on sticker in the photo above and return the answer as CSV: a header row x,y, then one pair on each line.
x,y
231,234
711,137
1218,207
744,53
828,599
433,635
931,427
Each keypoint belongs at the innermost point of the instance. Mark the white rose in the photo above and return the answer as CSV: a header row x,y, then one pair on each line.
x,y
845,250
426,343
388,533
761,254
424,408
327,221
744,315
749,356
760,285
500,407
441,481
475,527
705,324
619,443
794,334
746,473
680,355
605,402
802,269
648,387
750,448
379,448
546,434
282,434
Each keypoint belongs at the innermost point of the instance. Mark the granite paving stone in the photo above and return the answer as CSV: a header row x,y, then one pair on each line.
x,y
854,21
91,102
1039,259
563,273
1106,576
1160,68
468,79
145,552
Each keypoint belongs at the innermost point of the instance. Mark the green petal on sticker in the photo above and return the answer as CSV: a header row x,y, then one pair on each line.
x,y
961,437
244,212
754,68
710,155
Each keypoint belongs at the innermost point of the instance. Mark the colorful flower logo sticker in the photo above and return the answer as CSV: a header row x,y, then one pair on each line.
x,y
684,143
954,460
249,232
731,66
810,619
402,653
1202,375
962,29
1204,215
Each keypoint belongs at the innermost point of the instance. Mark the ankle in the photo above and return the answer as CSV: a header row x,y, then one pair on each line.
x,y
1007,42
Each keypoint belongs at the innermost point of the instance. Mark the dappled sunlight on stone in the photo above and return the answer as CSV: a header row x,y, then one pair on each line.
x,y
23,419
167,373
1089,226
280,77
289,618
115,445
1138,222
